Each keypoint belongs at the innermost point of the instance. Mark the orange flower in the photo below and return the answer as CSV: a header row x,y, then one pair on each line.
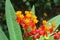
x,y
53,25
21,16
27,21
28,14
47,28
51,30
35,20
44,22
18,13
25,26
34,28
42,27
34,17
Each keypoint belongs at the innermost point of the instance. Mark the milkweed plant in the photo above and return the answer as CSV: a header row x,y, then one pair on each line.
x,y
28,23
28,20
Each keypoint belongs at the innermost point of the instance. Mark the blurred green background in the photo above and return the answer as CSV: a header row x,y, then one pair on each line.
x,y
45,9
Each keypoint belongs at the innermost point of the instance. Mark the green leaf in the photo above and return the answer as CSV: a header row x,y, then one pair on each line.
x,y
51,38
56,1
13,27
55,20
24,0
2,35
41,38
27,3
30,38
33,10
47,5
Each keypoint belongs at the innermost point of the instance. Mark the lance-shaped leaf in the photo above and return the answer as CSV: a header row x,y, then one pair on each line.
x,y
55,20
33,10
2,35
13,27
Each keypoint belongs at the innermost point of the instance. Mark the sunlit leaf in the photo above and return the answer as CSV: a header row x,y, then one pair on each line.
x,y
41,38
2,35
13,27
33,10
51,38
55,20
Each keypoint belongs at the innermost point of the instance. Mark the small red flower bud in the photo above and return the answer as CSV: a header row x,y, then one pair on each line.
x,y
38,36
42,27
30,34
33,32
25,26
34,37
37,31
25,35
51,30
42,33
56,36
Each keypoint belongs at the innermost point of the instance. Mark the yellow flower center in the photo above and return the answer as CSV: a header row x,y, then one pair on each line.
x,y
47,28
35,20
21,16
26,12
53,25
18,13
34,17
28,15
44,22
27,21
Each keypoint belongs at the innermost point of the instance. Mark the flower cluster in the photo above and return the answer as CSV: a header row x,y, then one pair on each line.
x,y
28,22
